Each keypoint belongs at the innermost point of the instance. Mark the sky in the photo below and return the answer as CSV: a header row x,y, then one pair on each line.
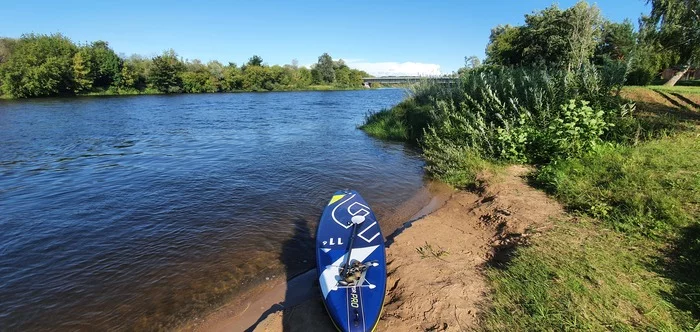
x,y
381,37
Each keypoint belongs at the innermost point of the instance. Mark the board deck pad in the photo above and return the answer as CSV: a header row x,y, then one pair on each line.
x,y
352,308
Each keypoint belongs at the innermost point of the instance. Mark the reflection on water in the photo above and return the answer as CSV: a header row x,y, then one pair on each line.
x,y
137,212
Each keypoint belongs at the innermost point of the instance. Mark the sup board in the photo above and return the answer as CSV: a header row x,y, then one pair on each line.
x,y
351,262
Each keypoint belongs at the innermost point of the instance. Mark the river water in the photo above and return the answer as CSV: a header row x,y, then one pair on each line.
x,y
140,212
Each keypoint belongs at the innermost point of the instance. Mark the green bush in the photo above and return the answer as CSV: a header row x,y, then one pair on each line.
x,y
512,114
641,76
576,130
525,114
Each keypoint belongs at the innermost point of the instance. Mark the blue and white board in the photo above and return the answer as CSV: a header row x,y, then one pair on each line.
x,y
358,307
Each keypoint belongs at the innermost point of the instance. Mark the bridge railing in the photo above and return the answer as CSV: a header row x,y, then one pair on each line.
x,y
408,79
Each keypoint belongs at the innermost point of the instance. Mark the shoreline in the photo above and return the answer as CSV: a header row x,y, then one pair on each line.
x,y
252,305
105,94
434,266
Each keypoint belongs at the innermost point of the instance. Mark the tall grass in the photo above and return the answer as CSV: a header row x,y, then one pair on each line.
x,y
510,114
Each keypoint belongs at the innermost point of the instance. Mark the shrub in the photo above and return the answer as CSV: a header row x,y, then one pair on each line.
x,y
513,114
576,130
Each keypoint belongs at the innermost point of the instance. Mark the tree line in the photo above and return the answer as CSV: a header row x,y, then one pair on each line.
x,y
37,65
669,37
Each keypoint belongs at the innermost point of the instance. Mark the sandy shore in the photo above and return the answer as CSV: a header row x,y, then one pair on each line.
x,y
434,266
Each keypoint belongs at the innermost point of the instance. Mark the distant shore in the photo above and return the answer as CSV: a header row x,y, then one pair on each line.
x,y
150,93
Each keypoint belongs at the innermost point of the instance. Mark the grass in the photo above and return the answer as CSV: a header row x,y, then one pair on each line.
x,y
693,90
428,251
634,262
459,166
404,122
581,276
652,189
384,125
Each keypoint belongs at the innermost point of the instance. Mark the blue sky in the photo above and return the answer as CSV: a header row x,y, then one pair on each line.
x,y
373,35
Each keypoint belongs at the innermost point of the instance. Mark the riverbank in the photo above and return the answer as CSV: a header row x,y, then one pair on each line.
x,y
627,258
265,298
507,257
435,265
155,92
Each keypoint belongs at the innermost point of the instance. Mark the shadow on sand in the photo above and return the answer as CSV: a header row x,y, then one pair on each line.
x,y
302,308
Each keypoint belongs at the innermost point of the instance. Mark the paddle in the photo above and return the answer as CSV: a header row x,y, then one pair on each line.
x,y
355,220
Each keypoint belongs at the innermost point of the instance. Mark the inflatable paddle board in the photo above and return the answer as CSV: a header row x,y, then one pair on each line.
x,y
351,262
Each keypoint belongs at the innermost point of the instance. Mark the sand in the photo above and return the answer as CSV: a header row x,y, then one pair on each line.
x,y
435,280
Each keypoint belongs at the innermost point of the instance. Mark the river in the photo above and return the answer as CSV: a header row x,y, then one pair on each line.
x,y
122,213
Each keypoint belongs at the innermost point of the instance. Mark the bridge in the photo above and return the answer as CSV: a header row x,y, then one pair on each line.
x,y
388,80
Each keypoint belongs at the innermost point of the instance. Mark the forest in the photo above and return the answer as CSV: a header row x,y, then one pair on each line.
x,y
37,65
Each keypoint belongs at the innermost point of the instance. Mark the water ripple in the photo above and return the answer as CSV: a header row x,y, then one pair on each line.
x,y
132,213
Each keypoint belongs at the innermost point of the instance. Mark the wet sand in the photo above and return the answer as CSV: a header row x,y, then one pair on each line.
x,y
435,263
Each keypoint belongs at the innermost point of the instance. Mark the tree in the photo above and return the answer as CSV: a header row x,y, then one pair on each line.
x,y
324,68
305,78
216,69
551,37
279,78
675,26
503,48
233,78
357,76
585,24
339,64
107,65
7,45
128,77
165,74
545,38
197,78
342,77
256,78
83,75
39,65
254,61
617,41
471,62
134,73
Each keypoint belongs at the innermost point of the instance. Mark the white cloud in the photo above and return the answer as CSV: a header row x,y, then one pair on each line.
x,y
397,68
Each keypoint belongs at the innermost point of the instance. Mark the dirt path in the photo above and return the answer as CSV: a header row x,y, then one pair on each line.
x,y
435,263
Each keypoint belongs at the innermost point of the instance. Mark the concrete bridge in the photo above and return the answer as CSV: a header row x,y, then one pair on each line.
x,y
388,80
